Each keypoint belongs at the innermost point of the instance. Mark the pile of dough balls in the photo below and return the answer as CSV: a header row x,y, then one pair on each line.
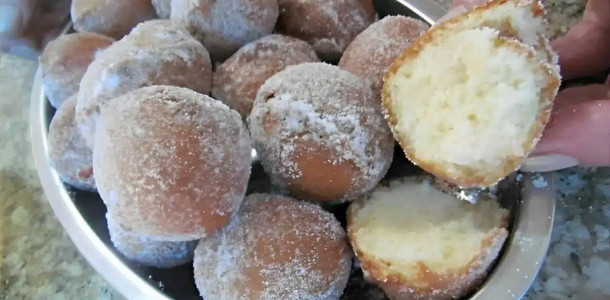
x,y
161,104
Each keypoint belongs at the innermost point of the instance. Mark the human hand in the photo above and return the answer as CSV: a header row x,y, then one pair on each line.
x,y
578,132
27,25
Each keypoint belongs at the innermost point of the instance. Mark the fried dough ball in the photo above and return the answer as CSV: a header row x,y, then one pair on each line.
x,y
170,163
327,25
237,80
275,248
371,53
69,154
64,62
148,251
417,242
158,52
320,133
223,26
110,17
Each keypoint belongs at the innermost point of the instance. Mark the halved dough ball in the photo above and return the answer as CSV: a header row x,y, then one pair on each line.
x,y
158,52
69,154
417,242
110,17
148,251
320,133
237,80
163,8
468,106
329,26
64,62
171,163
371,53
223,26
519,19
275,248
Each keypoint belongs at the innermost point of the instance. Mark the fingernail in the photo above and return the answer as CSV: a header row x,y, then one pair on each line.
x,y
548,163
10,20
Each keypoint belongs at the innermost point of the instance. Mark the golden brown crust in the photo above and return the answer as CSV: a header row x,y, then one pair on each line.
x,y
224,26
237,80
156,52
428,284
64,62
275,248
511,163
68,152
318,134
373,50
329,26
111,18
170,163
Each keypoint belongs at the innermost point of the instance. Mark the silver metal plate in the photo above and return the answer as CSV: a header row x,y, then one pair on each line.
x,y
82,214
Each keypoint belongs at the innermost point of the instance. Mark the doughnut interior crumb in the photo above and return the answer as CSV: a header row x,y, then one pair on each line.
x,y
469,105
520,19
413,238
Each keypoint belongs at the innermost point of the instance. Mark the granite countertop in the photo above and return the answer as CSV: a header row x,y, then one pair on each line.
x,y
39,261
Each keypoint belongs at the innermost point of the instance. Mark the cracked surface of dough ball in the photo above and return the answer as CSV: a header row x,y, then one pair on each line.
x,y
320,133
158,52
69,154
371,53
148,251
237,80
327,25
110,17
224,26
64,62
171,163
275,248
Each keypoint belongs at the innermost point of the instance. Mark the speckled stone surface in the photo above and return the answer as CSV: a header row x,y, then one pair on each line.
x,y
38,261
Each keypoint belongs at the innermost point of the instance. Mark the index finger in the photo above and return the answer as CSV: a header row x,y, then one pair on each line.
x,y
585,49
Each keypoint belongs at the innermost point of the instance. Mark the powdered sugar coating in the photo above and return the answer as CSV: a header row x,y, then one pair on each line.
x,y
148,251
110,17
373,50
237,80
320,133
275,248
68,152
224,26
158,52
163,8
329,26
64,62
171,163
